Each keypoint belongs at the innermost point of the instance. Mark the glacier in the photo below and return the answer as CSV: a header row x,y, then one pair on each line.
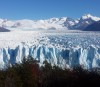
x,y
64,49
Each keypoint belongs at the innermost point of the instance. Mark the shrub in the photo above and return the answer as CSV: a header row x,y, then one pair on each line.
x,y
30,74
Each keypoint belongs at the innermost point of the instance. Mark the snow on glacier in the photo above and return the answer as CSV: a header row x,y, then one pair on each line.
x,y
62,48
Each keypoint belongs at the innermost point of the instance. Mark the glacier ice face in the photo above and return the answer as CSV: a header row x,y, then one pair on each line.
x,y
64,49
88,58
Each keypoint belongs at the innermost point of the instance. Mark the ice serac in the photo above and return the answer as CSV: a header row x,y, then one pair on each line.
x,y
69,57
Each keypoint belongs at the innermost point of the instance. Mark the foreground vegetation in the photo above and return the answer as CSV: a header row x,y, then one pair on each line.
x,y
30,74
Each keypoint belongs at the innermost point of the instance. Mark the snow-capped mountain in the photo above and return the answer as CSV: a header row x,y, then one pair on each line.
x,y
84,21
52,23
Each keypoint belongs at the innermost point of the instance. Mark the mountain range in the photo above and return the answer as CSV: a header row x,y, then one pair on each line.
x,y
65,23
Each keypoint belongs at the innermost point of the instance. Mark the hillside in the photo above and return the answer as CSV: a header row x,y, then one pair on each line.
x,y
93,27
4,29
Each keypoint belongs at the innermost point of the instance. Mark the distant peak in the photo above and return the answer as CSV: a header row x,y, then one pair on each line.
x,y
87,16
63,18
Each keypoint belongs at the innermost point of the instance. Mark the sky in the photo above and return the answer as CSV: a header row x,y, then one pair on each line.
x,y
44,9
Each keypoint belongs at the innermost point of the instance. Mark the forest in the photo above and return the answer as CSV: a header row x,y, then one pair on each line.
x,y
30,74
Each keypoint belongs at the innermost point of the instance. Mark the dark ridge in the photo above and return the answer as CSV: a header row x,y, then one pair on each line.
x,y
4,29
93,27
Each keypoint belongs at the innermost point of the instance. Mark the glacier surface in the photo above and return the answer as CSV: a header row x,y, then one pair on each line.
x,y
62,48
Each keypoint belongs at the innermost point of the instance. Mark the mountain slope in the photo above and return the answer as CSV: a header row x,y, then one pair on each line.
x,y
3,29
93,27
